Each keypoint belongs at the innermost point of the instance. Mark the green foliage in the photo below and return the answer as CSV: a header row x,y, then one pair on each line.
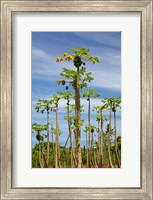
x,y
66,95
43,104
55,101
70,77
78,55
91,128
99,117
39,127
112,102
99,114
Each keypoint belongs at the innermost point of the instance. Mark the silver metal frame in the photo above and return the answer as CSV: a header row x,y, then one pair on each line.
x,y
145,8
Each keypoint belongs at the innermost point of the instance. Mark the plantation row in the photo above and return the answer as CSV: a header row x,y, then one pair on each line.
x,y
103,147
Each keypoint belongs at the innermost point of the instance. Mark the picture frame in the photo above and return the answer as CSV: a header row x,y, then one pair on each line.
x,y
7,9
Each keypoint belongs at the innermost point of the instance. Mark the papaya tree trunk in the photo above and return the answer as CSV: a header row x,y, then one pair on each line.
x,y
47,160
89,150
57,140
78,119
116,147
70,131
101,144
109,134
40,156
75,149
52,138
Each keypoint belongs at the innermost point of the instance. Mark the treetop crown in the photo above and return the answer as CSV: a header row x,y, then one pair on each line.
x,y
80,53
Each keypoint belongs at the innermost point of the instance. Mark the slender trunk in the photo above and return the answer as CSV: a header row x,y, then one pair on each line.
x,y
47,160
52,141
42,146
75,147
57,140
40,160
53,147
101,144
109,133
78,119
89,150
70,131
97,158
116,147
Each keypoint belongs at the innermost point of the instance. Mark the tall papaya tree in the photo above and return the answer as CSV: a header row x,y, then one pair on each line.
x,y
109,105
89,94
116,103
38,128
42,106
78,79
55,100
100,119
67,96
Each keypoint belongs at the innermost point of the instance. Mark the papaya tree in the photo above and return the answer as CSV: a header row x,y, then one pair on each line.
x,y
42,106
38,128
68,95
116,103
89,94
55,100
77,79
106,141
108,105
102,118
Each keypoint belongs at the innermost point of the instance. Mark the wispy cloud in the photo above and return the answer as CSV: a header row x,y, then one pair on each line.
x,y
104,79
108,39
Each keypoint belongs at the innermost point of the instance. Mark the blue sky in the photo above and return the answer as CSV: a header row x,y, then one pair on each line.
x,y
47,46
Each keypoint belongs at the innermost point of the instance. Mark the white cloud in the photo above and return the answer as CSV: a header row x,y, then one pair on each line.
x,y
105,39
43,65
104,79
39,54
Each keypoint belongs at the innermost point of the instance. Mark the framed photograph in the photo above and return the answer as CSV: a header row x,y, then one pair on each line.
x,y
76,99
